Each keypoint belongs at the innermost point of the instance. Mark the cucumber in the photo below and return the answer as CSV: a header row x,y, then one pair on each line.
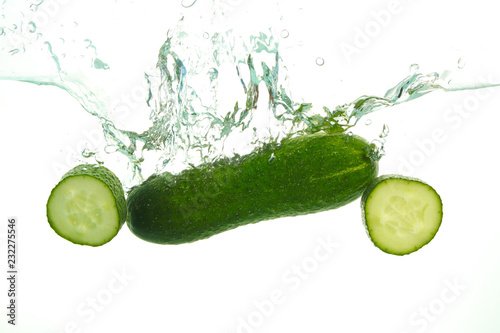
x,y
401,214
87,207
301,175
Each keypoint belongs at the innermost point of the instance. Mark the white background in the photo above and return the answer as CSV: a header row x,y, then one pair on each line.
x,y
275,276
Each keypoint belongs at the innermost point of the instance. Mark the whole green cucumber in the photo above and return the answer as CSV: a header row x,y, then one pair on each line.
x,y
301,175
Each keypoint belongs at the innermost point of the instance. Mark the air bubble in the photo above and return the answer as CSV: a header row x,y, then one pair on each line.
x,y
87,43
385,132
32,27
284,33
320,61
213,74
368,122
188,3
461,63
206,35
110,149
414,68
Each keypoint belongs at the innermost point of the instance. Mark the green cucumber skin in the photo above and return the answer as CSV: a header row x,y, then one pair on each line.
x,y
108,178
302,175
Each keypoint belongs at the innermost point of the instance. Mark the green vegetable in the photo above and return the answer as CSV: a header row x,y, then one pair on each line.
x,y
401,214
301,175
87,206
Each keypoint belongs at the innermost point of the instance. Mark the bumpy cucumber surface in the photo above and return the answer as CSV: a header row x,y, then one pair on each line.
x,y
401,214
87,207
302,175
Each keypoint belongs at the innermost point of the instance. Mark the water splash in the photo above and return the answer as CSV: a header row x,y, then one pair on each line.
x,y
191,115
210,95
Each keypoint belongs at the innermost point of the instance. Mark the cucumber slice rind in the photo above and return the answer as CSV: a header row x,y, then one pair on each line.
x,y
401,214
87,207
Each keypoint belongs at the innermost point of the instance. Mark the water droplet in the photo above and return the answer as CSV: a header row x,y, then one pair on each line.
x,y
34,6
31,27
206,35
461,63
368,122
414,68
284,33
376,150
213,74
110,149
385,132
320,61
99,64
188,3
87,153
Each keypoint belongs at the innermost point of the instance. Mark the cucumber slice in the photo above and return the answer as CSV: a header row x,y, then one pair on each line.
x,y
401,214
87,207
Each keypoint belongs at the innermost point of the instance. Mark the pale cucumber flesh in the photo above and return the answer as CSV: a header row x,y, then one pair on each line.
x,y
82,209
401,214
